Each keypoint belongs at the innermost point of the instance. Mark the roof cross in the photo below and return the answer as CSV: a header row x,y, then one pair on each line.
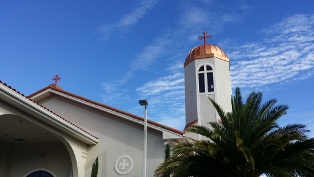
x,y
56,79
204,37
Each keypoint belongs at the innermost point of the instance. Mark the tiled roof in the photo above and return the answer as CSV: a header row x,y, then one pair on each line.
x,y
57,88
190,125
47,109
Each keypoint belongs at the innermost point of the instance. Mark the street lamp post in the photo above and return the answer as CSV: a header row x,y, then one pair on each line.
x,y
144,103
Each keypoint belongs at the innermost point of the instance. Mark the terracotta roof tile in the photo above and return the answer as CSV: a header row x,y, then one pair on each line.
x,y
190,125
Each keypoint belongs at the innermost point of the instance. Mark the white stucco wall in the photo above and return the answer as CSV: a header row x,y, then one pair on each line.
x,y
116,137
224,91
190,93
26,158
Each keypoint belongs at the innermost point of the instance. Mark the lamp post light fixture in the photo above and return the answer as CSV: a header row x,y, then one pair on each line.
x,y
144,103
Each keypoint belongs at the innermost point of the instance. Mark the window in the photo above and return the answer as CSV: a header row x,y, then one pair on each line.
x,y
205,79
40,174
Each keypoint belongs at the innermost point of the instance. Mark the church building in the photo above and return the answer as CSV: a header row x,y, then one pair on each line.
x,y
56,133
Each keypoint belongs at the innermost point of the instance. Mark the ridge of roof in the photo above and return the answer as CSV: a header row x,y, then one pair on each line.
x,y
11,88
53,87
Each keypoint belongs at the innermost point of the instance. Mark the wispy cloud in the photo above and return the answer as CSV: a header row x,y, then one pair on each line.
x,y
150,53
193,16
286,54
196,17
112,92
127,21
166,95
141,62
162,85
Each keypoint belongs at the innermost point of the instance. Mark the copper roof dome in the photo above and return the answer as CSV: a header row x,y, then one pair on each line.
x,y
206,51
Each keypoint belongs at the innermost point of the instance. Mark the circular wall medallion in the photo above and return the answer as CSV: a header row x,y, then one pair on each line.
x,y
123,164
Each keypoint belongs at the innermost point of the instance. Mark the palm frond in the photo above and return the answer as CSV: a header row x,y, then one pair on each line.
x,y
247,143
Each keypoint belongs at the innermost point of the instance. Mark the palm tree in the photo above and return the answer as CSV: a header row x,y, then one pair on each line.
x,y
247,143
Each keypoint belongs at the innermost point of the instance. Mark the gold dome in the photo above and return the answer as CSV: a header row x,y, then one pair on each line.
x,y
205,51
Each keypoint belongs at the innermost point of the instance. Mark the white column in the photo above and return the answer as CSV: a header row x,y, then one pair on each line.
x,y
145,142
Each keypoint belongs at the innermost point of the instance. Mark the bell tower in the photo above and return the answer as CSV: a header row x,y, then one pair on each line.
x,y
207,75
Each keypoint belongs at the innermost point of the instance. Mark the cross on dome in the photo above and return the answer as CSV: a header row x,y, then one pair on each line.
x,y
205,37
56,79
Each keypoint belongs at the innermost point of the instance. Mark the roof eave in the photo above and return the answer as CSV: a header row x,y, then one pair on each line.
x,y
46,116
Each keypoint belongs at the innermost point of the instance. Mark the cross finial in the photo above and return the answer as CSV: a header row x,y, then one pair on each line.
x,y
56,79
204,37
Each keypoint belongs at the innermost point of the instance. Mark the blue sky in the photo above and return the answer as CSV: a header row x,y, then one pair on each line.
x,y
117,52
